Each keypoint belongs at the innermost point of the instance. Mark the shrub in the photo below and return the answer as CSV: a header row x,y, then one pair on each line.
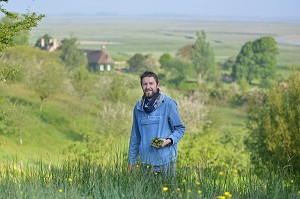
x,y
273,123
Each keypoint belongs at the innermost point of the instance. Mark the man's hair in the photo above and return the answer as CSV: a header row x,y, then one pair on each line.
x,y
149,74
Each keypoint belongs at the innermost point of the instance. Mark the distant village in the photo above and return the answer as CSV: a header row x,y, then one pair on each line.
x,y
98,60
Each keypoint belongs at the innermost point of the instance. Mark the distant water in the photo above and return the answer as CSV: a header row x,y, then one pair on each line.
x,y
291,40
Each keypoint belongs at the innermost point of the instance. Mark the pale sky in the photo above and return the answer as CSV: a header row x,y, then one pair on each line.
x,y
209,8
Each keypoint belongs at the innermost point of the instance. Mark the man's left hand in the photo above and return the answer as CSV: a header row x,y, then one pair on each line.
x,y
166,142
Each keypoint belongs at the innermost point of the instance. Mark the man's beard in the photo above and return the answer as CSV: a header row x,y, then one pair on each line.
x,y
149,94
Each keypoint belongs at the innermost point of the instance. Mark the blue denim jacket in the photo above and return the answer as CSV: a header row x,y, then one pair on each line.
x,y
164,122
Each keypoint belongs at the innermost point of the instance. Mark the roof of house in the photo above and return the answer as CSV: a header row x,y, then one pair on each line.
x,y
98,56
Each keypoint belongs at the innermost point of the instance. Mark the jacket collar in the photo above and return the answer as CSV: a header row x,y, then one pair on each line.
x,y
156,104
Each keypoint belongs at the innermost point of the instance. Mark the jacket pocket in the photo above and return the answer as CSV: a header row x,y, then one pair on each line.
x,y
150,120
149,128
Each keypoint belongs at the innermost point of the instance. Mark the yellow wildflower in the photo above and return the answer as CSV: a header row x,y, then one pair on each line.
x,y
137,166
178,189
165,189
70,179
189,190
197,183
199,191
227,193
221,197
235,171
221,173
183,181
60,190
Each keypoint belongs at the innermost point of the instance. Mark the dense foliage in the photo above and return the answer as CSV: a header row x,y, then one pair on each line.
x,y
14,30
256,60
22,37
139,62
46,76
81,81
71,55
17,24
203,57
164,59
185,52
136,61
178,71
273,123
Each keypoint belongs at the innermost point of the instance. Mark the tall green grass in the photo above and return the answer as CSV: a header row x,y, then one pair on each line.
x,y
83,178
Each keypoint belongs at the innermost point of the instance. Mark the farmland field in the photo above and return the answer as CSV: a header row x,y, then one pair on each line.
x,y
126,35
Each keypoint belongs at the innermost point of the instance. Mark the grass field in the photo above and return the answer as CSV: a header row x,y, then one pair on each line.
x,y
83,179
34,157
125,35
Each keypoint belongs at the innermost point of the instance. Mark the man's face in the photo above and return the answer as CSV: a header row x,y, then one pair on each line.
x,y
149,86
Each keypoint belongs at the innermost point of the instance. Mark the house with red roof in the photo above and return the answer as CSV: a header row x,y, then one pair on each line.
x,y
99,60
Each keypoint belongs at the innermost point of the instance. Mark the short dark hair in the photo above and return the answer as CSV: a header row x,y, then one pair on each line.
x,y
149,74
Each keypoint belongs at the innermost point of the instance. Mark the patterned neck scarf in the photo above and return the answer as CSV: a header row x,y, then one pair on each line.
x,y
149,106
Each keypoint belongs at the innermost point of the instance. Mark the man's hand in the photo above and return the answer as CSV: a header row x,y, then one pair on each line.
x,y
166,142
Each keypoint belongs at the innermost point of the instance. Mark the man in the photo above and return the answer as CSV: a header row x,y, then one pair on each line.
x,y
155,116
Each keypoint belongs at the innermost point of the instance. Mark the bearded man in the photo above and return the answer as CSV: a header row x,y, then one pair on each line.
x,y
155,117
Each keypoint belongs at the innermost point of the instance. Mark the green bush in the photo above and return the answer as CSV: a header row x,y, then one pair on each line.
x,y
273,123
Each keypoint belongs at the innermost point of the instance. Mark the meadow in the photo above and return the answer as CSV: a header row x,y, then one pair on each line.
x,y
78,148
85,179
125,36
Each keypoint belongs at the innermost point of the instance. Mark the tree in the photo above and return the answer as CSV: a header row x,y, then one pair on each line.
x,y
46,75
228,64
9,73
17,25
71,55
256,60
10,31
22,37
118,91
150,63
273,123
17,60
164,59
203,57
179,70
136,61
244,64
15,119
185,52
265,51
194,111
81,81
